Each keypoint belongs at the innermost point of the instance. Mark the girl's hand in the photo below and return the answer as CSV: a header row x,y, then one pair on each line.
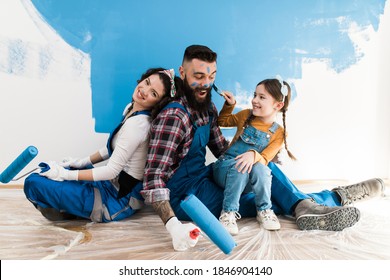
x,y
245,162
229,97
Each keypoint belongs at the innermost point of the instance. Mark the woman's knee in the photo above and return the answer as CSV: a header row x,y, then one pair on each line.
x,y
30,184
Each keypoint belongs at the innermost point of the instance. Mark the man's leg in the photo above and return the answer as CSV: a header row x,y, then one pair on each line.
x,y
206,191
360,191
343,195
308,212
283,192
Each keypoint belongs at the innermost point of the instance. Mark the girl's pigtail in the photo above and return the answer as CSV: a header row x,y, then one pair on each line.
x,y
285,138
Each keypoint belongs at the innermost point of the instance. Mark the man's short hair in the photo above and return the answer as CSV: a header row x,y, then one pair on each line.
x,y
200,52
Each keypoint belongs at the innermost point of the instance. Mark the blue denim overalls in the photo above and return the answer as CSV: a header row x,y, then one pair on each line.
x,y
97,201
234,182
194,177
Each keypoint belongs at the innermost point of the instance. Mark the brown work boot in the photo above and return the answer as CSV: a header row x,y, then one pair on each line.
x,y
313,216
54,215
360,191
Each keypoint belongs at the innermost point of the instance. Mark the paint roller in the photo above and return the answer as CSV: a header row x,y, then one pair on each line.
x,y
18,164
208,223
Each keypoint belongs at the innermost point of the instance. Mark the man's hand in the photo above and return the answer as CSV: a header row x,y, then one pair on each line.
x,y
183,236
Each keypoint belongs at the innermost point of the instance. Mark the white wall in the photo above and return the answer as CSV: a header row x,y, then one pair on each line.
x,y
45,92
339,126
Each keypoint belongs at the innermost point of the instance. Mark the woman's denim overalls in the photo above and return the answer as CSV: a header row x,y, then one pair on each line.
x,y
99,201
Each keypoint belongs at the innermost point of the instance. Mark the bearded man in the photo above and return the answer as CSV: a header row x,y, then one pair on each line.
x,y
176,166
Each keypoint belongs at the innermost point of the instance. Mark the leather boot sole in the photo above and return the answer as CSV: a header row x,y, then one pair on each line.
x,y
334,221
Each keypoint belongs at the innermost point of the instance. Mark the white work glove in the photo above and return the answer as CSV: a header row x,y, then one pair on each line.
x,y
54,171
76,163
183,236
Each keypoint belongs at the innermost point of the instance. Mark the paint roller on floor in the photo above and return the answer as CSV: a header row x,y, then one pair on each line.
x,y
18,164
208,223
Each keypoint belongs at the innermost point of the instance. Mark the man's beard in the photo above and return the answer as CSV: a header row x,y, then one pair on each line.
x,y
189,92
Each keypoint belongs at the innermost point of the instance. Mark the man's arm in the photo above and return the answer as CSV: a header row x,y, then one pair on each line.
x,y
164,210
166,149
217,142
167,146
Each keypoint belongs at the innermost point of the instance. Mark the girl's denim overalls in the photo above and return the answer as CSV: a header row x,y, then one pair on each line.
x,y
257,181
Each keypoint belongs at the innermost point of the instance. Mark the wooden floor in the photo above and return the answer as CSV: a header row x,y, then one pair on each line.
x,y
26,235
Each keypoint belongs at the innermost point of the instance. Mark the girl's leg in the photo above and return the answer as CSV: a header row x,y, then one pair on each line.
x,y
260,183
227,176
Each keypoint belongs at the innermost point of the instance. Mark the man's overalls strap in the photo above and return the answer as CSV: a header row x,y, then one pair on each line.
x,y
180,106
193,176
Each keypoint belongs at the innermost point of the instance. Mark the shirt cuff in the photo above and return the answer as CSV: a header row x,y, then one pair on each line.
x,y
259,158
155,195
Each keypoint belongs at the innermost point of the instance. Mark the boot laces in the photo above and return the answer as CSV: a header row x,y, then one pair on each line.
x,y
357,191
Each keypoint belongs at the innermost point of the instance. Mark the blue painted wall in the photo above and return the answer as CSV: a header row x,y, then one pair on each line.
x,y
255,39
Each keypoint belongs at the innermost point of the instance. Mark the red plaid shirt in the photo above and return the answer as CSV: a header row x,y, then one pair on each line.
x,y
171,137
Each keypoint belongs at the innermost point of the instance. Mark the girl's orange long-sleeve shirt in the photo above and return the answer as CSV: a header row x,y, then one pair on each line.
x,y
227,119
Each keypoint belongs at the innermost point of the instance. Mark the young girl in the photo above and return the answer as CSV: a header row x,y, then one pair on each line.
x,y
243,167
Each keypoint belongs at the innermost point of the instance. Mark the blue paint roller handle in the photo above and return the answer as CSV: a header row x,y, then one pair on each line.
x,y
18,164
208,223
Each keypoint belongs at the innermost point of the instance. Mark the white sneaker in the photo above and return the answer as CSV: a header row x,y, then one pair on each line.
x,y
228,220
268,219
